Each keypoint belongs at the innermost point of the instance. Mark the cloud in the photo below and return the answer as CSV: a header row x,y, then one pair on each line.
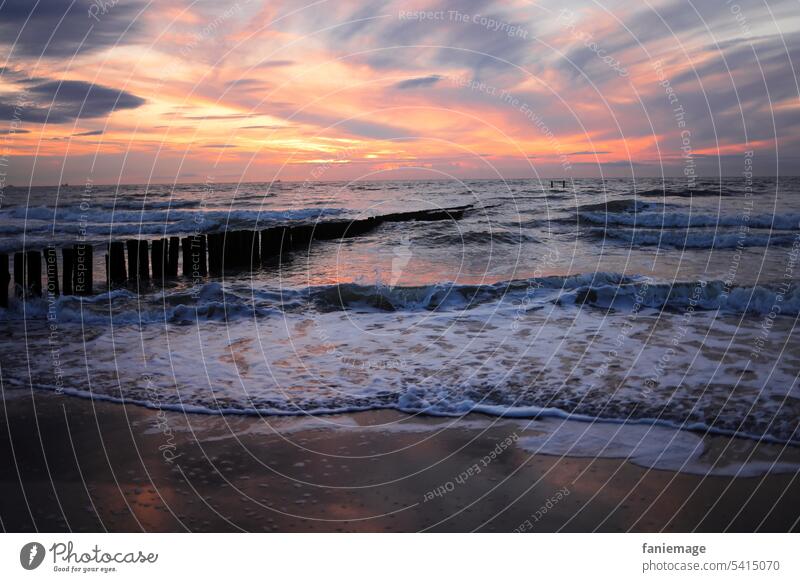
x,y
63,28
274,64
267,127
88,133
221,117
418,82
65,101
355,127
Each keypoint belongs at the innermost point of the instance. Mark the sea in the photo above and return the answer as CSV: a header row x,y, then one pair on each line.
x,y
629,305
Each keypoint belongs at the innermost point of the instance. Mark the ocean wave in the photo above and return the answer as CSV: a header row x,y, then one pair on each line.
x,y
789,221
98,226
160,217
688,193
496,236
696,239
697,295
214,301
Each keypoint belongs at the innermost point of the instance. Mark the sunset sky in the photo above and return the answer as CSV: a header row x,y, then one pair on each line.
x,y
134,91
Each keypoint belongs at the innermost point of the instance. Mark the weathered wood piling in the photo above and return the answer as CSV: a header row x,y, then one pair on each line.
x,y
51,270
215,250
19,275
132,247
67,270
5,279
157,255
117,273
84,271
172,256
143,261
199,255
33,267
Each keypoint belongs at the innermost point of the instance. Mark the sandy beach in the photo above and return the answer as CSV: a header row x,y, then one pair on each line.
x,y
85,465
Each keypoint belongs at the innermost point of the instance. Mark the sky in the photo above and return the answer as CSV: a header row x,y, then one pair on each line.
x,y
137,91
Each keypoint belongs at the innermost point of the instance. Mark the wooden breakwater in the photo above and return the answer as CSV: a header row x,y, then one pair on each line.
x,y
134,262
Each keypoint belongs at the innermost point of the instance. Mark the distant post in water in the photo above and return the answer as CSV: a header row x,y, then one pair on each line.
x,y
116,264
68,268
83,269
5,278
51,268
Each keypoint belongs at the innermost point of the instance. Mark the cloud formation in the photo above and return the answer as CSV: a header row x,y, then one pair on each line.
x,y
66,101
63,28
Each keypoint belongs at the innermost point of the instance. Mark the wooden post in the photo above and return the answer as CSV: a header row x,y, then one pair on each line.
x,y
83,269
34,273
265,244
116,264
551,184
564,184
215,250
199,254
19,275
51,268
133,258
172,256
251,250
274,241
68,268
186,256
5,277
301,236
144,261
234,254
157,258
232,250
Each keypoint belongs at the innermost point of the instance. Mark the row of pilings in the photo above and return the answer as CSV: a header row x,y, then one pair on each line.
x,y
136,262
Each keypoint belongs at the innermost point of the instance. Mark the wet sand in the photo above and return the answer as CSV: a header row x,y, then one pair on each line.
x,y
72,464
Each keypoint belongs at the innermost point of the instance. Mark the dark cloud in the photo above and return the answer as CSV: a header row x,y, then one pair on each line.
x,y
63,28
13,131
66,101
88,133
418,82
